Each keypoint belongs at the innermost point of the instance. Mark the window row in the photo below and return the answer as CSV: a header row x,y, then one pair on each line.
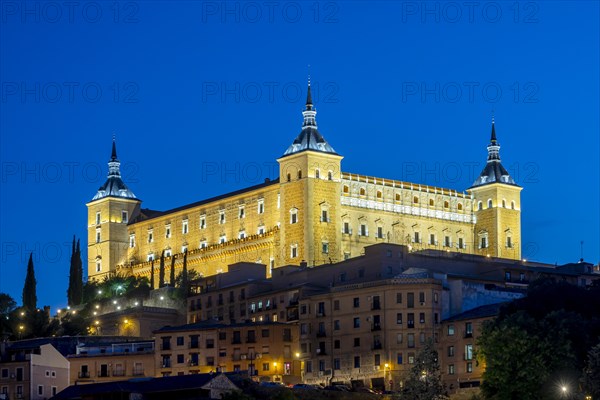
x,y
490,204
398,197
124,217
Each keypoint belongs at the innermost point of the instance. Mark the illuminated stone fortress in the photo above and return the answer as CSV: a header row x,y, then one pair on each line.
x,y
313,213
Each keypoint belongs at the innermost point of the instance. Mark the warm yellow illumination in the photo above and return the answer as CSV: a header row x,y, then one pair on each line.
x,y
126,321
386,365
97,322
275,364
297,355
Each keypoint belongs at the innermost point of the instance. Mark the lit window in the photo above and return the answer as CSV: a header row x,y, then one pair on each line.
x,y
469,367
450,330
293,216
451,369
98,265
261,230
222,239
98,235
222,217
468,352
294,251
132,240
242,235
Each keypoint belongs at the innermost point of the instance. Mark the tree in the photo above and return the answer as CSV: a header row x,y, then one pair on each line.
x,y
161,270
424,379
172,276
591,377
152,275
29,289
75,290
7,306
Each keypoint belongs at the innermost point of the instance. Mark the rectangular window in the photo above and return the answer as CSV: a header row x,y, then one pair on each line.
x,y
98,236
242,212
241,234
468,329
410,339
410,320
450,330
185,226
461,243
150,236
447,241
346,229
324,216
261,230
124,216
399,298
222,217
417,238
40,390
450,351
98,218
432,240
399,358
180,359
377,359
294,251
356,342
222,239
98,265
399,318
468,352
380,232
451,369
336,325
421,297
293,217
336,305
422,318
325,247
399,338
261,206
363,230
509,242
265,366
469,367
356,361
356,322
308,366
507,276
336,344
203,222
179,340
356,302
410,300
336,364
484,242
4,373
132,241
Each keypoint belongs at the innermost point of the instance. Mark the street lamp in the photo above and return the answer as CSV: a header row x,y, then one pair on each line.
x,y
275,369
385,369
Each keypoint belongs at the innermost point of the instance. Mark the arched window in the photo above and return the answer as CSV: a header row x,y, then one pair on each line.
x,y
512,205
489,203
503,203
300,174
330,175
289,177
317,174
459,206
416,199
362,191
480,206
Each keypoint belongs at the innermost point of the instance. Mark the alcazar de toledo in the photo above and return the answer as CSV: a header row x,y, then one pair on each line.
x,y
314,213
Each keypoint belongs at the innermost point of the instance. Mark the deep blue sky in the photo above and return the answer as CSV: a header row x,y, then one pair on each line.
x,y
405,93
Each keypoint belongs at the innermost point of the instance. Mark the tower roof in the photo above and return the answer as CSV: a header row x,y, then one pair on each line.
x,y
309,138
494,171
114,185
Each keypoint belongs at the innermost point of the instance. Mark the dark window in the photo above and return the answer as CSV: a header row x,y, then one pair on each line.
x,y
179,340
410,300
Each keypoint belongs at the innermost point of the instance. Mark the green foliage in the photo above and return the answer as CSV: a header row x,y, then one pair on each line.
x,y
161,271
7,306
539,341
75,290
236,395
29,288
591,377
424,379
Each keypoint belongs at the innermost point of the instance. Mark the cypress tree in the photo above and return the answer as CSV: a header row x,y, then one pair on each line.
x,y
152,275
72,274
172,277
29,289
78,292
184,276
161,270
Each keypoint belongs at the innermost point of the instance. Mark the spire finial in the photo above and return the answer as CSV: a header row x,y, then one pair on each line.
x,y
309,103
493,138
113,155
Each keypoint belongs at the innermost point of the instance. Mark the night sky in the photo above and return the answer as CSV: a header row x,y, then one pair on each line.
x,y
204,96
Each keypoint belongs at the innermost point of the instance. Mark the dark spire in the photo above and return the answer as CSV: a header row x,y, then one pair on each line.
x,y
493,140
113,155
309,102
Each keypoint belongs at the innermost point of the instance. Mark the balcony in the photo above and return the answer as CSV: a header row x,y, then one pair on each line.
x,y
292,315
468,335
193,363
194,345
165,346
375,327
321,334
84,374
377,346
321,314
376,306
103,374
236,341
250,340
321,352
166,364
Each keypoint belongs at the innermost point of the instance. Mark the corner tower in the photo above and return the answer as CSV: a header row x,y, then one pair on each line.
x,y
497,207
310,176
109,212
